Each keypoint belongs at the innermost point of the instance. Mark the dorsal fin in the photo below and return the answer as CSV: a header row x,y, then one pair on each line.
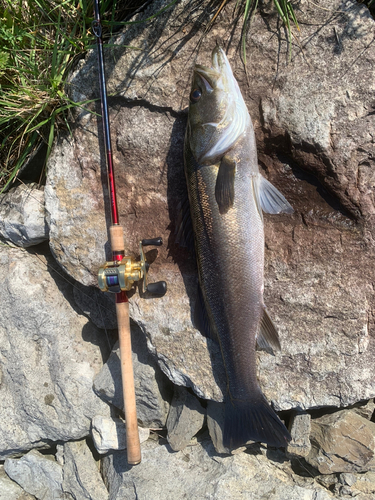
x,y
271,200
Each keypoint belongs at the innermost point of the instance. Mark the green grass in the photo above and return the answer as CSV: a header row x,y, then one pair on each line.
x,y
39,41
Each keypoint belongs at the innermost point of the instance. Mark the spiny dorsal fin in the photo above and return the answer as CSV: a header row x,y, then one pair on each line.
x,y
224,189
268,338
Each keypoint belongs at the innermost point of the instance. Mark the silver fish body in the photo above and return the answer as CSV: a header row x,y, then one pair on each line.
x,y
227,194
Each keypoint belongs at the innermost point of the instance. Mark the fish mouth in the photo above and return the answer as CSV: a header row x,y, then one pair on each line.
x,y
209,76
219,75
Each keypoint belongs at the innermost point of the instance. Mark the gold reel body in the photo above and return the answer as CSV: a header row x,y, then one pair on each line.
x,y
117,276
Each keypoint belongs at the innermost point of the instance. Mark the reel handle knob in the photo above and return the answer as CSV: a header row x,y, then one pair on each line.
x,y
159,288
155,242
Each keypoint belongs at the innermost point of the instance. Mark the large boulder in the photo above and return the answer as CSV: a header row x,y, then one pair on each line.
x,y
49,356
313,117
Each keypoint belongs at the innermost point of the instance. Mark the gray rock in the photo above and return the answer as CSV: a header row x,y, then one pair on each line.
x,y
300,428
81,476
311,116
38,475
365,410
59,455
328,481
22,216
110,434
215,424
98,306
9,490
152,389
197,472
49,357
365,484
342,442
347,478
185,418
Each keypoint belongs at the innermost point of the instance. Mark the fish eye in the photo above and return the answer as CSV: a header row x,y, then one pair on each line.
x,y
195,95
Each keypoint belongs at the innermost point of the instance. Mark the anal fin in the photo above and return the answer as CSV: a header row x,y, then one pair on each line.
x,y
268,338
224,189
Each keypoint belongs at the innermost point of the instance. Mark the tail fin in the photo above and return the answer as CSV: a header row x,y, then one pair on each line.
x,y
253,420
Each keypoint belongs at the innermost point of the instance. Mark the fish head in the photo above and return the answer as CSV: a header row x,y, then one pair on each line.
x,y
218,115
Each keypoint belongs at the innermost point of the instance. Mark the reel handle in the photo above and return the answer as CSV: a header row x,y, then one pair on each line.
x,y
155,242
159,288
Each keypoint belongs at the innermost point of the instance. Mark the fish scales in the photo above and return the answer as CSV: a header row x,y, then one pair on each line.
x,y
230,270
226,195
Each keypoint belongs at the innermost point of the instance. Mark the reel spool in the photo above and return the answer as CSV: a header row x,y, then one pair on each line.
x,y
117,276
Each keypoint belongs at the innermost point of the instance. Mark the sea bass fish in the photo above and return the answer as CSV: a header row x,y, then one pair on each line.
x,y
227,195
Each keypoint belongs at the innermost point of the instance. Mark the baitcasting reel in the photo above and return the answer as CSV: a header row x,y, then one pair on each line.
x,y
120,275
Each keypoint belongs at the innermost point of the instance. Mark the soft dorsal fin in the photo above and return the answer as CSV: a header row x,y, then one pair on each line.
x,y
268,338
270,198
224,189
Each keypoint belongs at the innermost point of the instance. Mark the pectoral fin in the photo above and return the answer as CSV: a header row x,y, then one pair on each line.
x,y
224,189
268,338
270,198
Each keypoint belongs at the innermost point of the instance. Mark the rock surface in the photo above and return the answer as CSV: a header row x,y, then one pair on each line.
x,y
49,356
185,418
74,474
215,424
22,216
9,490
365,484
300,428
365,410
151,388
342,442
312,119
110,434
38,475
197,472
81,476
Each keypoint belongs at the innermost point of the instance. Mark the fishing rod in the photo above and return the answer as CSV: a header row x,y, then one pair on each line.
x,y
119,275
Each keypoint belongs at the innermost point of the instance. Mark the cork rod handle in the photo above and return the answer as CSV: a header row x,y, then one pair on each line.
x,y
123,322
